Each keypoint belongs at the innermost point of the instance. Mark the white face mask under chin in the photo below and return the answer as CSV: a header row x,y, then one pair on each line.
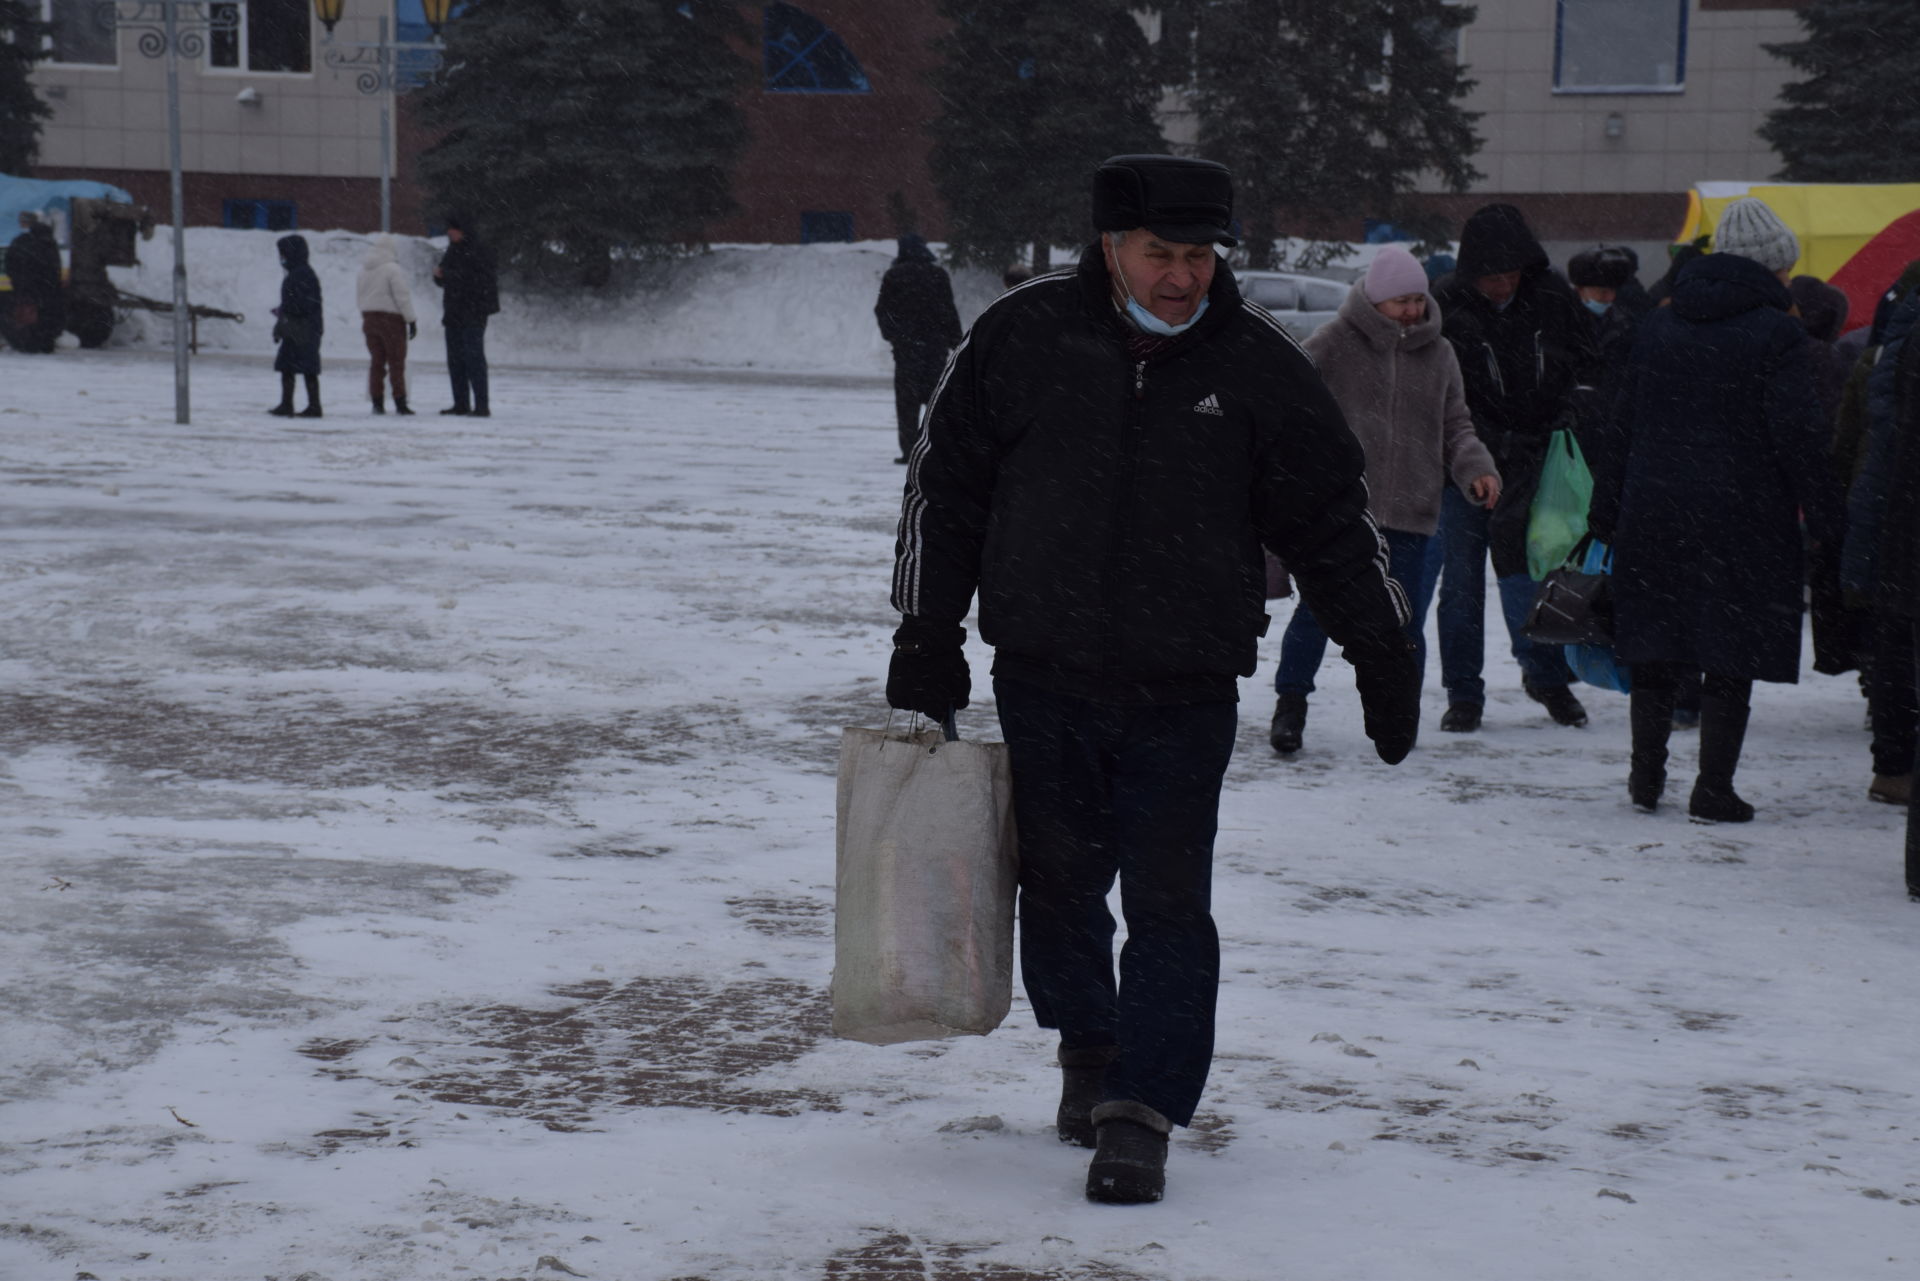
x,y
1148,323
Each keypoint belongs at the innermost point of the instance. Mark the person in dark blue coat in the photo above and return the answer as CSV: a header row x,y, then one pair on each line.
x,y
1716,446
298,324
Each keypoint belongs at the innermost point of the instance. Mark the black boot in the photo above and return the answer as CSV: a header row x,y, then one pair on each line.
x,y
313,398
400,405
380,404
1289,723
1083,1078
1461,718
1651,713
285,408
1559,701
1130,1163
1723,731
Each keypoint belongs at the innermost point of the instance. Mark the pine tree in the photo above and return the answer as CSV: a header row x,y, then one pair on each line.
x,y
22,37
1034,95
1856,117
1325,110
576,128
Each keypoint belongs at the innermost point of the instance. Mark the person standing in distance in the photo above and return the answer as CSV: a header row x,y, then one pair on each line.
x,y
471,288
386,321
1104,458
918,319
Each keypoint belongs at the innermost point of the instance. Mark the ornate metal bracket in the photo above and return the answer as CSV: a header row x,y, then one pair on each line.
x,y
378,68
193,22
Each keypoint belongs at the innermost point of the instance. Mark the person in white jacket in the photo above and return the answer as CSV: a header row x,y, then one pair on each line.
x,y
386,318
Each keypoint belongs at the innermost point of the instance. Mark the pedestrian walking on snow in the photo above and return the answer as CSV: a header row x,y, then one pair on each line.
x,y
1716,447
470,285
387,321
299,322
1399,386
917,317
1103,461
1524,343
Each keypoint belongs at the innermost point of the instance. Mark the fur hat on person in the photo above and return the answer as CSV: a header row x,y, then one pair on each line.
x,y
1602,267
1177,198
1394,273
1751,229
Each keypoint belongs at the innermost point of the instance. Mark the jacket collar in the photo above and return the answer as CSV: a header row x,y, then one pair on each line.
x,y
1383,334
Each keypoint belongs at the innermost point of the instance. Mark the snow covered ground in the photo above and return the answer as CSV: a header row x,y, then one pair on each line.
x,y
418,864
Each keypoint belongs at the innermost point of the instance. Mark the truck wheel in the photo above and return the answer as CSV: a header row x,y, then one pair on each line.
x,y
91,323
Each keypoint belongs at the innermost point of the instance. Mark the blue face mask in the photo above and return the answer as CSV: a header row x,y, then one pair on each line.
x,y
1595,306
1148,323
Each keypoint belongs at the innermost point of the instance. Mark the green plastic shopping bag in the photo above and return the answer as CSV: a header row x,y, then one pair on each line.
x,y
1558,518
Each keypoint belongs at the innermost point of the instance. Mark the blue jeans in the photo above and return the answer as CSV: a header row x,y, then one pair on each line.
x,y
1105,790
1305,643
467,364
1463,609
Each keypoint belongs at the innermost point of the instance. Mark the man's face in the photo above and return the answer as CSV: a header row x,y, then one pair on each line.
x,y
1598,293
455,235
1167,278
1499,289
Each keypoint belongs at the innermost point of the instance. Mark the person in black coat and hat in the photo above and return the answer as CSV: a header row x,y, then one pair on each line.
x,y
917,316
39,302
1524,344
1716,447
1105,456
471,293
298,325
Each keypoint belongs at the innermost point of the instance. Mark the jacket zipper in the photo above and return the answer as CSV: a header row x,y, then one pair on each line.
x,y
1123,511
1140,380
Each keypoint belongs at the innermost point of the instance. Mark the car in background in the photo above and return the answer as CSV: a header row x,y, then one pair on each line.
x,y
1301,303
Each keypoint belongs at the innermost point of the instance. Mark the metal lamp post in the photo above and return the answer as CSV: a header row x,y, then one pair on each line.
x,y
172,29
378,68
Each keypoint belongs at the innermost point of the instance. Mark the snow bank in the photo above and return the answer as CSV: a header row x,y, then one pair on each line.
x,y
787,308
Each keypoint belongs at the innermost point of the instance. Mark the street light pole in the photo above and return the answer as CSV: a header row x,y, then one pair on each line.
x,y
170,28
380,66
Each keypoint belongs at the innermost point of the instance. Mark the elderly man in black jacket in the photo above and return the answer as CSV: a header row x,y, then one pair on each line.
x,y
1524,343
1104,458
917,317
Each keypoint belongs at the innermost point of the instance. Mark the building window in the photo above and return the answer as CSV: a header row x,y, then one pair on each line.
x,y
803,56
260,215
816,227
79,38
271,35
1620,46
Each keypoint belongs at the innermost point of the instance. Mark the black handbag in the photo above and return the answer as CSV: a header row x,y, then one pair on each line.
x,y
1572,607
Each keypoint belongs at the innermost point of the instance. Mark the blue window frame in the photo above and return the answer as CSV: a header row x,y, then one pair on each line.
x,y
817,226
803,56
1620,46
260,215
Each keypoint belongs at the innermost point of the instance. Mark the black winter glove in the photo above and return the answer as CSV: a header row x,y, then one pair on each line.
x,y
413,330
928,673
1388,677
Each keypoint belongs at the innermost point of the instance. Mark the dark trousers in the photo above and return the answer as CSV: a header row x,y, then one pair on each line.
x,y
1103,791
1463,611
916,372
1889,682
386,335
467,364
1913,802
1304,645
1725,704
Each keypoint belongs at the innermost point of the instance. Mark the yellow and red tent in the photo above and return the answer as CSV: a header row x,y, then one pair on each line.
x,y
1858,237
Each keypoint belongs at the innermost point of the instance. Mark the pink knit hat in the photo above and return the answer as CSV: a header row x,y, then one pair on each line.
x,y
1394,272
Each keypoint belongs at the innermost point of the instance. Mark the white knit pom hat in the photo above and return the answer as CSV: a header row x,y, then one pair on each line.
x,y
1751,229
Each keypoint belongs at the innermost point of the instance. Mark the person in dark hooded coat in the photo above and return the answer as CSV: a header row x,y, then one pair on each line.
x,y
33,269
1715,448
470,285
918,318
299,322
1524,343
1899,559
